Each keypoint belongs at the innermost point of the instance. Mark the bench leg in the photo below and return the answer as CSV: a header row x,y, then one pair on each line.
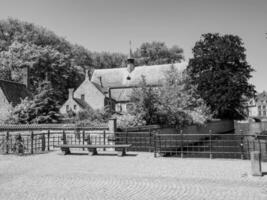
x,y
65,150
92,152
122,152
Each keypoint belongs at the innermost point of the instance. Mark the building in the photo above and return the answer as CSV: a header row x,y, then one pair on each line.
x,y
114,86
257,108
11,94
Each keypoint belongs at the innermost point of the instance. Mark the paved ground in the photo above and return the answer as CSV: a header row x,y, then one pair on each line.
x,y
54,176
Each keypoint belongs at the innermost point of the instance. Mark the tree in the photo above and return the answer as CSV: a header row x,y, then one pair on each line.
x,y
105,60
42,61
43,108
155,53
180,105
220,73
145,99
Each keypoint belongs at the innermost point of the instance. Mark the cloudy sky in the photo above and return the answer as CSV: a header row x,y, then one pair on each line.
x,y
108,25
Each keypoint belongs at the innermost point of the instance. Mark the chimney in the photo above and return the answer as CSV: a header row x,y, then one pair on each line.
x,y
71,90
100,81
25,75
87,74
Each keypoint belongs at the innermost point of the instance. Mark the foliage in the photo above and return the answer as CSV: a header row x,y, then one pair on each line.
x,y
146,102
42,109
106,60
173,104
129,120
155,53
179,105
220,73
89,117
25,44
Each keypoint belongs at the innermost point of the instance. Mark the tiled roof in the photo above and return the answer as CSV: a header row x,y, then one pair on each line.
x,y
14,92
118,77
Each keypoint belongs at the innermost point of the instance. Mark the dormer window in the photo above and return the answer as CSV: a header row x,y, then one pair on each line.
x,y
128,78
82,97
74,107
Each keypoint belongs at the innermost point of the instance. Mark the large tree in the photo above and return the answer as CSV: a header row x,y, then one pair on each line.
x,y
43,108
220,72
155,53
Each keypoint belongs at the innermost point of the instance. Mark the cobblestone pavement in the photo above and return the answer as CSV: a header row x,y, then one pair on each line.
x,y
54,176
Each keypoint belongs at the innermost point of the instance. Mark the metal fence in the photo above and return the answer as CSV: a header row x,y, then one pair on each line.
x,y
140,141
209,145
205,145
36,141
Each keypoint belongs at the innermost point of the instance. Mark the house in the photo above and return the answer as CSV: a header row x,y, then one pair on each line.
x,y
11,94
257,107
114,86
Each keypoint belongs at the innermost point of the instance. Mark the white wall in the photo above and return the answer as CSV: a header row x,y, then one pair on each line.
x,y
93,97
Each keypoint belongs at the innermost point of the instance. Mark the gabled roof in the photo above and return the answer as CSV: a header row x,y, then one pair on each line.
x,y
120,77
117,77
14,91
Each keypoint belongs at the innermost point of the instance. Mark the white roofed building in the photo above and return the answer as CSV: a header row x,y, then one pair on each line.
x,y
114,86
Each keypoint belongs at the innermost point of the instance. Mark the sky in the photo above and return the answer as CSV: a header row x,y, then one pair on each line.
x,y
108,25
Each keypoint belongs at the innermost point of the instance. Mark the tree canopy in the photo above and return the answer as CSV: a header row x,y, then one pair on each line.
x,y
43,108
220,73
156,53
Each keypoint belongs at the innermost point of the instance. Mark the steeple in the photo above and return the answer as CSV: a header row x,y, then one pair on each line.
x,y
130,60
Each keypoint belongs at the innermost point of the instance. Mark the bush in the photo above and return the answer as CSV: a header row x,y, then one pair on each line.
x,y
129,120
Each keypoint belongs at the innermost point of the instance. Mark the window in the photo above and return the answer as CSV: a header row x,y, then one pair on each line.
x,y
264,113
259,113
82,97
67,107
118,108
259,107
264,107
74,107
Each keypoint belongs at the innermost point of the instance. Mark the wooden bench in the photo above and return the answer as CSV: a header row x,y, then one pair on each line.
x,y
92,149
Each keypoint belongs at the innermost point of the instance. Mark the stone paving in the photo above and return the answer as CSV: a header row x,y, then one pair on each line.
x,y
137,176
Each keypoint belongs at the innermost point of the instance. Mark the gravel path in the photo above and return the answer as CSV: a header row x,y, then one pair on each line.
x,y
137,176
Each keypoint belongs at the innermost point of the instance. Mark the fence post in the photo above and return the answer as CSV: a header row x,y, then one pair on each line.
x,y
7,142
150,144
64,139
104,139
32,137
210,141
155,145
83,135
48,140
43,142
182,144
242,145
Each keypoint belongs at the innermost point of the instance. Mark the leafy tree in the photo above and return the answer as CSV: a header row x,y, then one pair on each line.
x,y
145,99
106,60
179,103
42,61
174,104
155,53
220,73
44,108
